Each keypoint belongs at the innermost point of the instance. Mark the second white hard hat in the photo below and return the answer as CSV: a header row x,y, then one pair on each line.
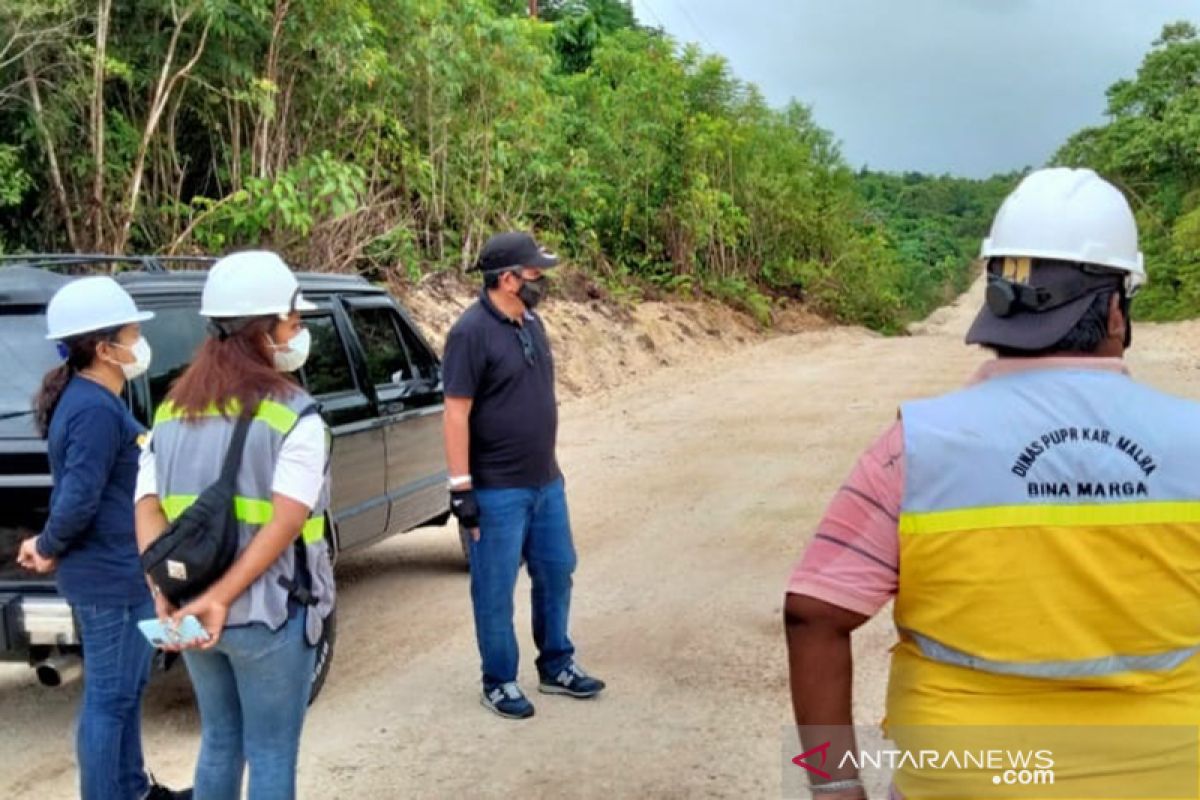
x,y
1068,215
86,305
253,283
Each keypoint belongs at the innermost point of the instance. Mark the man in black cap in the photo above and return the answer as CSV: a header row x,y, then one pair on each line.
x,y
506,488
1037,531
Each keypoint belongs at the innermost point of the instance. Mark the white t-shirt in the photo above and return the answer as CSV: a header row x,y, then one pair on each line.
x,y
299,473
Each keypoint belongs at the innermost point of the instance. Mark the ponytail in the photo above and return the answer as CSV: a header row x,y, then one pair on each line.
x,y
81,352
47,397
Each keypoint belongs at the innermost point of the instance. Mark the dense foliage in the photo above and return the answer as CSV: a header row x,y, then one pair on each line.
x,y
377,135
1151,149
934,226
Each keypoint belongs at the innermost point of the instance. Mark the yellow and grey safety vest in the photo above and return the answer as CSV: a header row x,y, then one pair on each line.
x,y
188,455
1049,558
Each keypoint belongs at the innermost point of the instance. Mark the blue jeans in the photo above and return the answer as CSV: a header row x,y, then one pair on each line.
x,y
116,666
252,689
513,523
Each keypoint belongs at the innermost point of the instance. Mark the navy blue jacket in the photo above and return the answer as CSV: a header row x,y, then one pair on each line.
x,y
93,448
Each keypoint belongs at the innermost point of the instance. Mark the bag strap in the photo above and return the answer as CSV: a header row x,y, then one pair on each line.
x,y
233,456
299,588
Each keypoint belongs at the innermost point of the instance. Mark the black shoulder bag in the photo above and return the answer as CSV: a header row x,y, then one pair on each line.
x,y
201,544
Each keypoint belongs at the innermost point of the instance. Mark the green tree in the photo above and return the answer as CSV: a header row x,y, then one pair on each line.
x,y
1148,148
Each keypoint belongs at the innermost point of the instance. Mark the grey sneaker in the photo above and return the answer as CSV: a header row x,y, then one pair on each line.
x,y
507,700
572,681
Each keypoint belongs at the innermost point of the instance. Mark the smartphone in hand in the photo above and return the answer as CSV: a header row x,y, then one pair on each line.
x,y
189,630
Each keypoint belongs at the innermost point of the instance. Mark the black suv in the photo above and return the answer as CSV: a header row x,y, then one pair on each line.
x,y
375,377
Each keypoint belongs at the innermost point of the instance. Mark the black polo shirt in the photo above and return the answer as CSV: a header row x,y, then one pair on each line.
x,y
514,416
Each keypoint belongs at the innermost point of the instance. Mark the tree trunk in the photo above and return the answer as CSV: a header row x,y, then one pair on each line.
x,y
56,179
95,219
162,95
262,137
235,156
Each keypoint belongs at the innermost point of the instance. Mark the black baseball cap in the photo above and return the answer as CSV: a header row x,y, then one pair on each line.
x,y
1033,303
512,250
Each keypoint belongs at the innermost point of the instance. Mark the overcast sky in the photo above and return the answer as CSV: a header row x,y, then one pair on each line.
x,y
970,87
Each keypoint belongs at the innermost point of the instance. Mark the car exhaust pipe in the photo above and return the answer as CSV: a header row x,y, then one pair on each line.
x,y
59,670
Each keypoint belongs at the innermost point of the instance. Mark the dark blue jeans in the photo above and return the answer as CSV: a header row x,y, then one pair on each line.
x,y
532,523
252,689
116,666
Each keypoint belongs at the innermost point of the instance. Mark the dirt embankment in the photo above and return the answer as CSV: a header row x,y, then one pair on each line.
x,y
600,343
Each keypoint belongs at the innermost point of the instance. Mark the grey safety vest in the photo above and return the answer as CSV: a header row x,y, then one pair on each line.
x,y
188,455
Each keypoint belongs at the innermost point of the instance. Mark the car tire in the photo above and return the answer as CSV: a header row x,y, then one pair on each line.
x,y
325,648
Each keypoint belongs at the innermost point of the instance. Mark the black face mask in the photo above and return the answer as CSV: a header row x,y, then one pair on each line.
x,y
532,292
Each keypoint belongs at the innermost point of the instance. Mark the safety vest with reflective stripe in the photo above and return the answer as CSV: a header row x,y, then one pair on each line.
x,y
1049,556
188,456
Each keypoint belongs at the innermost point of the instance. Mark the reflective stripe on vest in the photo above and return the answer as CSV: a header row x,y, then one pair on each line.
x,y
248,510
1059,516
1079,668
278,416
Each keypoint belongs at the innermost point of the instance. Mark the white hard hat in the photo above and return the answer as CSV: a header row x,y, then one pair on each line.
x,y
86,305
1068,215
254,283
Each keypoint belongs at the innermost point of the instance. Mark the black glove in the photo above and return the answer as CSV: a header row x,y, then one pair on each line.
x,y
463,506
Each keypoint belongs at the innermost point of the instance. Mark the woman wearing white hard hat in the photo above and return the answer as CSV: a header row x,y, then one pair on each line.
x,y
264,616
93,446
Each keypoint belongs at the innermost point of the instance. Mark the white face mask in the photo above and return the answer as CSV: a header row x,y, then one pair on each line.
x,y
291,356
141,358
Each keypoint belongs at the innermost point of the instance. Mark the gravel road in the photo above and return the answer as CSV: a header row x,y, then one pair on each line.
x,y
693,491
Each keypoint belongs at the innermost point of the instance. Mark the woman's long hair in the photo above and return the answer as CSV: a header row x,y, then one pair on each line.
x,y
234,367
81,352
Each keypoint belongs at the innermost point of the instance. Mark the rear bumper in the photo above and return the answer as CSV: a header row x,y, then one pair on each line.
x,y
28,622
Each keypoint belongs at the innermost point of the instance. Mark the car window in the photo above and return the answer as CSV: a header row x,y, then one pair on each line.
x,y
382,347
327,370
174,335
422,360
25,357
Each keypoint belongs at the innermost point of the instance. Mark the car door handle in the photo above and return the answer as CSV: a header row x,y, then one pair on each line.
x,y
394,407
